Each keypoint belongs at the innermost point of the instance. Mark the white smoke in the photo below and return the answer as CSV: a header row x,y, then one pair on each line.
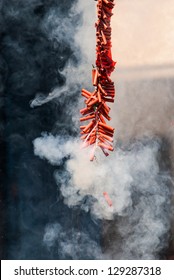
x,y
41,99
60,29
132,178
133,181
71,244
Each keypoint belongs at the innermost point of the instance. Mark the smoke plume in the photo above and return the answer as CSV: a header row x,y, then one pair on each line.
x,y
71,244
138,190
57,209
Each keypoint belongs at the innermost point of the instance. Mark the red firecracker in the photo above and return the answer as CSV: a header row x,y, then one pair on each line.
x,y
97,132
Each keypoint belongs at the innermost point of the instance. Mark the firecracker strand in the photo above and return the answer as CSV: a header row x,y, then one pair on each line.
x,y
96,113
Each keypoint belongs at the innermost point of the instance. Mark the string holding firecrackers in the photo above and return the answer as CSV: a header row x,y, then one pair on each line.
x,y
97,132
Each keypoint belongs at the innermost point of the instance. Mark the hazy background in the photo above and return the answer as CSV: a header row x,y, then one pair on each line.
x,y
51,208
143,46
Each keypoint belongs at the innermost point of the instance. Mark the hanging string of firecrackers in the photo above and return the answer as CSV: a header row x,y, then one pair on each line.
x,y
97,132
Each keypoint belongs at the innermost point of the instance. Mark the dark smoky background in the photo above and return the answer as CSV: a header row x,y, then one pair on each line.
x,y
31,63
51,195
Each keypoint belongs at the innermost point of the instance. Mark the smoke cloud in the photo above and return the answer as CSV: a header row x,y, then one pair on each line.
x,y
55,194
138,190
133,179
71,244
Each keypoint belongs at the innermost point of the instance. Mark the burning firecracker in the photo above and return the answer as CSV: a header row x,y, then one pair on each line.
x,y
97,132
